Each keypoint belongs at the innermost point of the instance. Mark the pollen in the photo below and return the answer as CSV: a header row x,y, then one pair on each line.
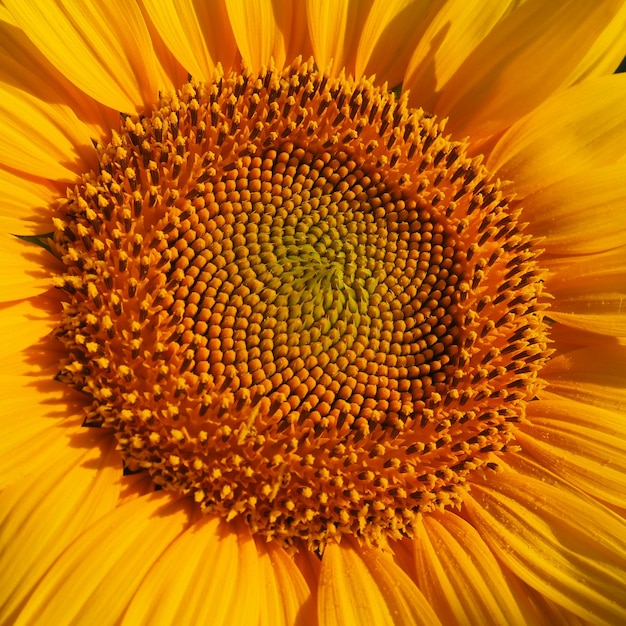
x,y
298,301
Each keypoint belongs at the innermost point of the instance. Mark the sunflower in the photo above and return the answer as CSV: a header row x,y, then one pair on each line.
x,y
313,312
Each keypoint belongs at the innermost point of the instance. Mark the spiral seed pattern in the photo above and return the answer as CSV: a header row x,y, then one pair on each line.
x,y
296,300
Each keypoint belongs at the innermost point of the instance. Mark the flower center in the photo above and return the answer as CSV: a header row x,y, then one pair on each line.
x,y
296,300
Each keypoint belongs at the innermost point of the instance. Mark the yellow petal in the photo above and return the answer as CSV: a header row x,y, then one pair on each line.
x,y
24,66
40,419
209,575
404,555
590,375
575,130
169,73
580,214
363,585
104,48
590,291
25,322
559,541
198,34
27,201
523,59
459,575
584,445
286,598
40,361
24,271
46,140
309,565
390,34
41,514
257,31
565,340
30,446
605,54
600,313
95,578
134,486
547,613
298,42
453,32
334,28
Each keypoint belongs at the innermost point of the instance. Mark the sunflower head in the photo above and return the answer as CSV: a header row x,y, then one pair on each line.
x,y
296,299
294,347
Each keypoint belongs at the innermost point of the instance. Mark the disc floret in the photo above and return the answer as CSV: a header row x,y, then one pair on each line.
x,y
298,301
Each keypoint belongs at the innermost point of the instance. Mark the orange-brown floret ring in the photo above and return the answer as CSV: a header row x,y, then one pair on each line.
x,y
295,299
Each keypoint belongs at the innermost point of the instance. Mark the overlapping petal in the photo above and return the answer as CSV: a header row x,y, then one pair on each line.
x,y
532,544
362,585
38,314
24,66
584,445
459,575
595,376
229,594
262,30
517,65
26,204
199,34
286,597
573,131
559,541
606,53
590,291
560,213
335,29
53,505
453,30
390,34
38,424
95,578
545,612
24,268
103,48
41,139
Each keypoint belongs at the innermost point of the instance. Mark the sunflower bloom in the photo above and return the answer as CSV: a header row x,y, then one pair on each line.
x,y
313,312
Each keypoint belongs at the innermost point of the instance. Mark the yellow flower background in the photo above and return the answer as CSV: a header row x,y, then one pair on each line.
x,y
528,91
